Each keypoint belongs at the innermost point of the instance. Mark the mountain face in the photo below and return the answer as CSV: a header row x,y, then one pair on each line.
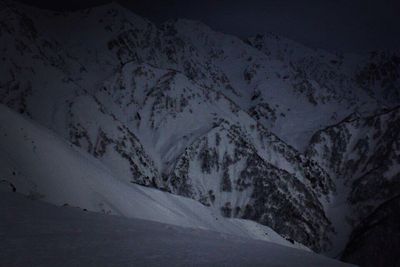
x,y
42,166
263,129
362,156
364,153
224,170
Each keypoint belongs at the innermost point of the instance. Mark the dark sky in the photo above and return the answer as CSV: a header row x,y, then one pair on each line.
x,y
335,25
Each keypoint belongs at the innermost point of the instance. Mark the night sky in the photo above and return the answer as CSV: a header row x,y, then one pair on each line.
x,y
336,25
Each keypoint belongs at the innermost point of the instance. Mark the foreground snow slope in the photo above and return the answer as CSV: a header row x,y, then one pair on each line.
x,y
47,235
42,166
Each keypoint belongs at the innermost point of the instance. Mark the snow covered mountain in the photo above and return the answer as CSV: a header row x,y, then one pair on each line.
x,y
40,165
242,127
363,157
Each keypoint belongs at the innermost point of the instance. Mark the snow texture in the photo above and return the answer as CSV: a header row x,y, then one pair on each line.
x,y
38,234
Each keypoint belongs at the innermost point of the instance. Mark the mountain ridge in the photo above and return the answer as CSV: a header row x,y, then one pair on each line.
x,y
178,106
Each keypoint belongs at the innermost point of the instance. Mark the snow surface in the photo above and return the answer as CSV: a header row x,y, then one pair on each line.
x,y
43,166
34,233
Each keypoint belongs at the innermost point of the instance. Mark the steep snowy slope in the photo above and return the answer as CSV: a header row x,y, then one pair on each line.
x,y
139,96
349,78
364,151
326,80
47,235
270,88
223,170
209,125
50,80
359,153
362,155
35,162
